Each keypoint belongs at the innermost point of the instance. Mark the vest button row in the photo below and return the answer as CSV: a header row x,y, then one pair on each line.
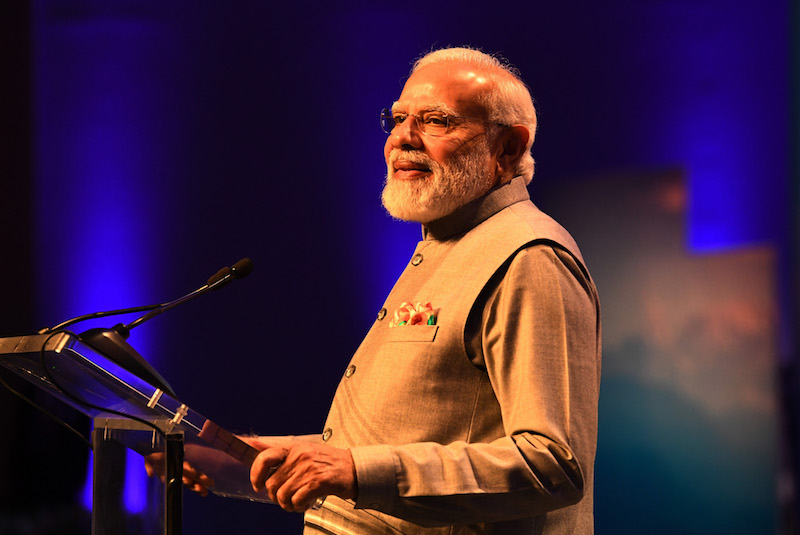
x,y
350,370
416,260
381,314
326,435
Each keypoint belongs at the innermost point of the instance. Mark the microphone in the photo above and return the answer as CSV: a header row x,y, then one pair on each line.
x,y
112,344
239,270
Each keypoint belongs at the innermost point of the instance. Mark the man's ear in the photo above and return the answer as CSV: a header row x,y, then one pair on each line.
x,y
513,144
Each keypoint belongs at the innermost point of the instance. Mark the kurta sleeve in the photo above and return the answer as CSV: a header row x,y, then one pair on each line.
x,y
535,334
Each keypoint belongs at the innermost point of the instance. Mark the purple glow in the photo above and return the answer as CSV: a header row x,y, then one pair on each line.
x,y
95,150
135,483
88,488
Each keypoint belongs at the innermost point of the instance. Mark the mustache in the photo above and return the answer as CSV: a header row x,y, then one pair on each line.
x,y
411,156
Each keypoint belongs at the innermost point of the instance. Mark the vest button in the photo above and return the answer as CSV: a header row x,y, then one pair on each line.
x,y
350,370
381,314
416,260
326,435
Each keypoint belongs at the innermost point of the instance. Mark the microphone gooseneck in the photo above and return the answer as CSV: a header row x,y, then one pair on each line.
x,y
112,342
239,270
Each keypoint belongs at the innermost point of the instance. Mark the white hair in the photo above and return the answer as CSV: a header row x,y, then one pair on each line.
x,y
510,101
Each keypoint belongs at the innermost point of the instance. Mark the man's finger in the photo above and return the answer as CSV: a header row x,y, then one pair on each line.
x,y
304,498
279,485
264,466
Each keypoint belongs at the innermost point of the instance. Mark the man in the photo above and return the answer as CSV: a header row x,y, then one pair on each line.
x,y
471,405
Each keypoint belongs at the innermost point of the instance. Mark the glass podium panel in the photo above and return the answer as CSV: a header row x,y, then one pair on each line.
x,y
129,411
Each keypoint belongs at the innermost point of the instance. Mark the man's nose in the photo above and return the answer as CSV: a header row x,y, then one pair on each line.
x,y
407,134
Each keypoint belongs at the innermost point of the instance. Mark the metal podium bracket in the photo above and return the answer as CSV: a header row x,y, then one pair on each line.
x,y
111,437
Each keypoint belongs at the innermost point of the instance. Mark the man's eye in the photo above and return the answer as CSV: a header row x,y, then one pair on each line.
x,y
435,119
399,118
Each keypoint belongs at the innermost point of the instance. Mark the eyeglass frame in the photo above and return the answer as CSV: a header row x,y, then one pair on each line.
x,y
388,115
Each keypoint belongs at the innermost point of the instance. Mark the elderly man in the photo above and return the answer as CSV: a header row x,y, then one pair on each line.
x,y
471,405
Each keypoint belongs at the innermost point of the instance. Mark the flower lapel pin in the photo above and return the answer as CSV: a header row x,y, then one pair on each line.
x,y
414,314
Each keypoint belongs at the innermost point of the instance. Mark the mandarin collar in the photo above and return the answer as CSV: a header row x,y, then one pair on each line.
x,y
476,212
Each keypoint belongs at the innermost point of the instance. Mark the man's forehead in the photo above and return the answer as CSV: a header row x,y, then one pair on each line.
x,y
423,105
449,85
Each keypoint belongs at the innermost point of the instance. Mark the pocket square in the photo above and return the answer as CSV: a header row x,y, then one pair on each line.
x,y
413,314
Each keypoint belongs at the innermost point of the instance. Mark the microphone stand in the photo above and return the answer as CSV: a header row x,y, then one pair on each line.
x,y
112,342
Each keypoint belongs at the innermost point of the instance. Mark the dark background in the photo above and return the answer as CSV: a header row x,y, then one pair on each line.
x,y
147,144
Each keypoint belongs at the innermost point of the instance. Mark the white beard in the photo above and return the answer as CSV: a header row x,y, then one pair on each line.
x,y
449,186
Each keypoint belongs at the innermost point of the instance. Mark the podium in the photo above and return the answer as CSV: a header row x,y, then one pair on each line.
x,y
131,414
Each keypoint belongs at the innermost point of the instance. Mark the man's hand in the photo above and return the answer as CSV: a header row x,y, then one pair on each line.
x,y
195,480
296,474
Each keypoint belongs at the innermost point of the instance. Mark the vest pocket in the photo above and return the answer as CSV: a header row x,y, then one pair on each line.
x,y
411,333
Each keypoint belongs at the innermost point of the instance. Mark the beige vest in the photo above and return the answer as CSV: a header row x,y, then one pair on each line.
x,y
432,359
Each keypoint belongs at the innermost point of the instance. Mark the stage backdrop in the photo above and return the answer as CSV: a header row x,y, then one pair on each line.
x,y
689,418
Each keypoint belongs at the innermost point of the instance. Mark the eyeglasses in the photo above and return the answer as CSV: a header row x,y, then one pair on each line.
x,y
432,122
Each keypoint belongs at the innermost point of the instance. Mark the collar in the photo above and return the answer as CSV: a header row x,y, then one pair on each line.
x,y
476,212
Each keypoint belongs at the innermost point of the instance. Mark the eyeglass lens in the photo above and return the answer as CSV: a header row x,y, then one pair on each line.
x,y
433,123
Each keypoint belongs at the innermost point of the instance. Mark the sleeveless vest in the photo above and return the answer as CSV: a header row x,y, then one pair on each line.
x,y
424,369
428,360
